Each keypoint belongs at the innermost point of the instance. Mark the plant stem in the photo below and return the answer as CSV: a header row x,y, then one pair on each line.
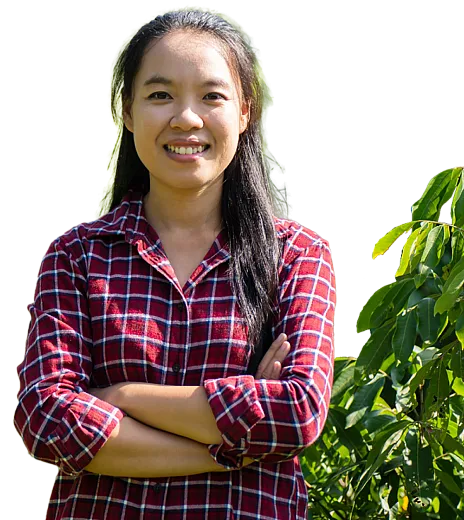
x,y
439,222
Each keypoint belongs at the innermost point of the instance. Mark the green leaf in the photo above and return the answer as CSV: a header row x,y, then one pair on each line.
x,y
374,351
421,241
455,276
344,381
404,336
448,482
451,289
418,469
453,446
457,246
414,298
427,354
438,389
432,286
374,301
393,302
457,361
454,313
376,420
434,246
305,468
398,373
458,386
363,401
340,364
432,437
445,302
446,477
388,362
351,438
460,329
457,204
454,179
354,417
438,192
447,508
405,400
429,325
421,375
424,271
312,454
406,253
391,464
386,241
394,481
382,446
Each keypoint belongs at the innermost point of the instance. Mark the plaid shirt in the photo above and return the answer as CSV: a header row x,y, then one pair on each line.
x,y
108,309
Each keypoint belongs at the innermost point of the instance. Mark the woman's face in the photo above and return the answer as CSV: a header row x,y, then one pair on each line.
x,y
186,114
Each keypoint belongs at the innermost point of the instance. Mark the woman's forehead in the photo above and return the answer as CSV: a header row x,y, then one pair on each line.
x,y
185,54
181,43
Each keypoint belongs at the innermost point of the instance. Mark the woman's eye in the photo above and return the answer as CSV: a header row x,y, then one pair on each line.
x,y
162,96
159,95
214,96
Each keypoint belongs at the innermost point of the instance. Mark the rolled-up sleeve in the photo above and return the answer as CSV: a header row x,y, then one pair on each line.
x,y
58,420
273,421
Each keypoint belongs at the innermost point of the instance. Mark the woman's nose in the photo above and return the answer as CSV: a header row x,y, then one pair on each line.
x,y
186,118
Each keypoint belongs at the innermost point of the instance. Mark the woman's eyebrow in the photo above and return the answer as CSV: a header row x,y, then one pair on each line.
x,y
213,82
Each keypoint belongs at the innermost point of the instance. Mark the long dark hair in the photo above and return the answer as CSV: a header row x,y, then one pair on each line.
x,y
249,197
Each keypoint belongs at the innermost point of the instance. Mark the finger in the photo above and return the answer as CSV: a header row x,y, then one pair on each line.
x,y
272,353
265,364
273,372
277,343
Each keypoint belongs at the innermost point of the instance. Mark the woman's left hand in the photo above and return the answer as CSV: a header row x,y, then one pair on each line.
x,y
271,364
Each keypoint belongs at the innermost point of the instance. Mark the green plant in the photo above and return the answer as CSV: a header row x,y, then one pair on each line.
x,y
393,443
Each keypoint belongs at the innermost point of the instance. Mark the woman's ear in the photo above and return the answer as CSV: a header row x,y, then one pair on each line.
x,y
127,117
244,117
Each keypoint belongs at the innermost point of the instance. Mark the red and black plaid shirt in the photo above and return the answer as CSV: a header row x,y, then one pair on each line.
x,y
108,309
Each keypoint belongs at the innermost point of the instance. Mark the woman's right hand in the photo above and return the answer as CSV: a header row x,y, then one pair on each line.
x,y
270,367
271,364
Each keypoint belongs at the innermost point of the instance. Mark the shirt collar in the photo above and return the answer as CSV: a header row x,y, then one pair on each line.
x,y
129,219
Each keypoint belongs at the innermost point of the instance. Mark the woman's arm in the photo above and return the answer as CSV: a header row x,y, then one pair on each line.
x,y
136,450
182,410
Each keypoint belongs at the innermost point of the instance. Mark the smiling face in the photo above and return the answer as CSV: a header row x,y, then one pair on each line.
x,y
186,114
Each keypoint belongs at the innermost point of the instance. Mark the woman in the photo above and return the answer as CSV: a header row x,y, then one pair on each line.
x,y
137,377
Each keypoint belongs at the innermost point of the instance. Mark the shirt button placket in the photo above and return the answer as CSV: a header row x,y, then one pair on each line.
x,y
181,309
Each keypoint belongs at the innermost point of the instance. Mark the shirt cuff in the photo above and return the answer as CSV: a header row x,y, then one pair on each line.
x,y
236,408
82,432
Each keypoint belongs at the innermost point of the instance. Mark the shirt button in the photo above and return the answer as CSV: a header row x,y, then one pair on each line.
x,y
157,486
176,367
180,306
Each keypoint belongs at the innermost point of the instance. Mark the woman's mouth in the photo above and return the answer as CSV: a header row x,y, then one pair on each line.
x,y
182,153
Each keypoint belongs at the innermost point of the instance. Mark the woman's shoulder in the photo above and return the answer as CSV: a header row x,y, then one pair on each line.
x,y
75,240
114,222
298,238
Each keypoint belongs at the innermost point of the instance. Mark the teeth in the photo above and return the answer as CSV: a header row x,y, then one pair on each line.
x,y
186,151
